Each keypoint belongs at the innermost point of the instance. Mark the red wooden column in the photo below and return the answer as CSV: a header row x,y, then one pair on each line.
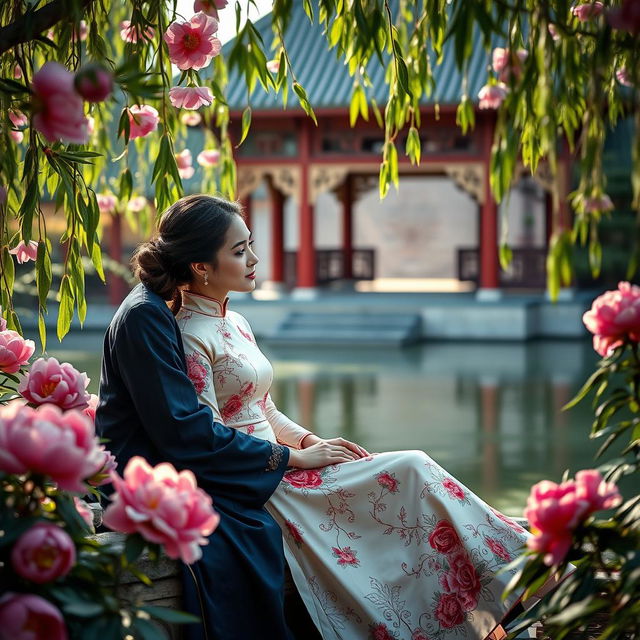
x,y
277,235
347,229
306,260
247,202
117,286
489,265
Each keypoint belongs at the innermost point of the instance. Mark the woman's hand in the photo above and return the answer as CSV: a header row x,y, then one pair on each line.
x,y
312,439
321,454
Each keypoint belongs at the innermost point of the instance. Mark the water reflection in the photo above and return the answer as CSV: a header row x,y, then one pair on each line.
x,y
490,414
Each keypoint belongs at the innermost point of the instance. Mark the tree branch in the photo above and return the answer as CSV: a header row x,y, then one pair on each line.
x,y
33,23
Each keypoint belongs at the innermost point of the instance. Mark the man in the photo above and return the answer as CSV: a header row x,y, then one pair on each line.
x,y
148,407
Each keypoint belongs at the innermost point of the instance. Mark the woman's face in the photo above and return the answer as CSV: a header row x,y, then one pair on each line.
x,y
236,262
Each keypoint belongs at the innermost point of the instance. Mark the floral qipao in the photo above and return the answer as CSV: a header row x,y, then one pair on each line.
x,y
388,546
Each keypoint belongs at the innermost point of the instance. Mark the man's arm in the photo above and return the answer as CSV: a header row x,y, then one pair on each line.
x,y
225,461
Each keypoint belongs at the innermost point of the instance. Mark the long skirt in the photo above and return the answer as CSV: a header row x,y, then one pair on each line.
x,y
392,546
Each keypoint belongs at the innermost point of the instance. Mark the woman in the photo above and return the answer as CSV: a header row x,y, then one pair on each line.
x,y
383,546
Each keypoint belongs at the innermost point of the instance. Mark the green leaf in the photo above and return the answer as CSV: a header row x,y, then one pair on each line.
x,y
593,380
83,609
169,615
133,547
147,630
506,256
246,123
304,102
65,312
44,275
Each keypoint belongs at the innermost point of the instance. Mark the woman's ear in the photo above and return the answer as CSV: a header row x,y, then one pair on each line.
x,y
198,269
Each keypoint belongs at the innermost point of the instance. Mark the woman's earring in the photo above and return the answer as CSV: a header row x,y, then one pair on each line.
x,y
206,278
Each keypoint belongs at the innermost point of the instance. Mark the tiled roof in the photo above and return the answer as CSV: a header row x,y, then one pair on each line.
x,y
326,79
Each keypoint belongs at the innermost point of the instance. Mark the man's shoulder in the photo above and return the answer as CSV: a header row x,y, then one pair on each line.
x,y
142,304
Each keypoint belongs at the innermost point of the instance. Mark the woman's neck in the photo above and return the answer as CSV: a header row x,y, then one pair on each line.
x,y
207,291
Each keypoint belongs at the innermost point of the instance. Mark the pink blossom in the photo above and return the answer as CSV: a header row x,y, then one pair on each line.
x,y
591,486
192,44
17,72
273,66
94,83
553,511
90,410
507,65
491,96
553,31
190,97
208,158
598,203
131,33
499,59
91,125
43,553
19,122
82,31
24,616
85,512
191,119
137,204
626,17
143,119
210,7
106,202
15,351
25,252
48,381
103,475
47,441
347,557
185,168
586,11
614,316
164,506
58,109
623,77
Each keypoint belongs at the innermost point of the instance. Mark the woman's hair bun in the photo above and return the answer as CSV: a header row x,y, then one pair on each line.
x,y
152,266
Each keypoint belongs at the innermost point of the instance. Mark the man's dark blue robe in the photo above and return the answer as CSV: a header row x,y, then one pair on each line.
x,y
148,407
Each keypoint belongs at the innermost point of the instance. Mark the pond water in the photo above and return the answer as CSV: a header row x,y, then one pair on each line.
x,y
489,413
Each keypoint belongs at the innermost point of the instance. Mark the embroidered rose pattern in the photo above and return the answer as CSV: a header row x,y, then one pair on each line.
x,y
232,407
498,549
246,335
380,631
198,372
453,489
514,525
295,532
463,580
346,556
388,481
445,538
303,478
449,611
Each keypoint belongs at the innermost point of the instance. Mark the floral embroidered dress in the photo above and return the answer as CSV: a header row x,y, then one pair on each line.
x,y
388,546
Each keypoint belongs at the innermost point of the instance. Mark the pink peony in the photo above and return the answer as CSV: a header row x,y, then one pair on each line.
x,y
19,122
210,7
191,119
273,66
143,119
491,96
192,44
591,487
47,441
587,11
25,252
131,33
103,475
598,203
90,410
208,158
58,109
85,511
106,202
48,381
444,538
626,17
164,506
15,351
94,83
614,316
43,553
553,511
190,97
24,616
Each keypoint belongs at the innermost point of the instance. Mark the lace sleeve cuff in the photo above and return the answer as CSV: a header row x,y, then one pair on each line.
x,y
275,459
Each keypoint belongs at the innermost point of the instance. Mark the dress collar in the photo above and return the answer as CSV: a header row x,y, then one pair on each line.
x,y
204,304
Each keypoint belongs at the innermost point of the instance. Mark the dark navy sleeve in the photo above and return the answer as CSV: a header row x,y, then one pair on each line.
x,y
226,462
